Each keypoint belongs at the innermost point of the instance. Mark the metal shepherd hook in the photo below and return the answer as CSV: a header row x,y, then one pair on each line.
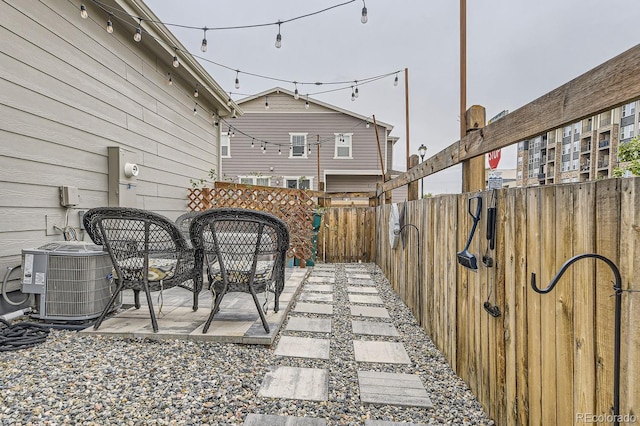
x,y
618,293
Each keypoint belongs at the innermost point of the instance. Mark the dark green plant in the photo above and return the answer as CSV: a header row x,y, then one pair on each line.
x,y
205,182
629,153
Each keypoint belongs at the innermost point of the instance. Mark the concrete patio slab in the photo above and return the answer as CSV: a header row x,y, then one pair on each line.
x,y
380,352
369,311
326,274
311,384
363,289
373,328
314,308
272,420
359,276
316,297
360,281
315,325
321,288
303,347
392,389
365,299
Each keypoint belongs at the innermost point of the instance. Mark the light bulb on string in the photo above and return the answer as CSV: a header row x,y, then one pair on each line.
x,y
279,37
237,85
264,148
395,81
83,11
176,61
216,121
279,150
364,17
195,109
266,103
170,80
109,25
357,92
203,46
353,94
195,92
296,95
367,125
306,103
138,35
252,143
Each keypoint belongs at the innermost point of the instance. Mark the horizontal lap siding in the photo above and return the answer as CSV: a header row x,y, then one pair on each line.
x,y
69,90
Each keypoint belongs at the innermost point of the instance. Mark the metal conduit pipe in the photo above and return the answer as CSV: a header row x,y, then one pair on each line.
x,y
618,308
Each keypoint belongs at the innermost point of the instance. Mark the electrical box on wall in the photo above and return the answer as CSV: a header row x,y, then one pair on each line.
x,y
69,196
123,177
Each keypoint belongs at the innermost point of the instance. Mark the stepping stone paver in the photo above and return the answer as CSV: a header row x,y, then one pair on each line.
x,y
318,325
359,276
327,280
373,328
354,289
311,384
322,288
328,274
369,311
364,298
314,308
392,389
271,420
317,297
303,347
382,352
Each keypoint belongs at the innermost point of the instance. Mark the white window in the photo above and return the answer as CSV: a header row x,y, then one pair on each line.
x,y
225,145
298,147
255,180
574,166
626,132
566,131
343,146
298,182
629,109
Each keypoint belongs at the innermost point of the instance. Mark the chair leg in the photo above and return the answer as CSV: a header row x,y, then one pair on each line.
x,y
216,308
105,311
195,299
154,322
262,317
136,298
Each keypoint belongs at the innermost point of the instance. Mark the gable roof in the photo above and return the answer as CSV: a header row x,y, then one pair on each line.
x,y
389,127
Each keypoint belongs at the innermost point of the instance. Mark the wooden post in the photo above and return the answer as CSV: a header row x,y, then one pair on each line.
x,y
412,192
473,173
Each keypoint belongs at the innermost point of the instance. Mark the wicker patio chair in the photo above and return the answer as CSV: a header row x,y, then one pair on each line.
x,y
139,240
245,251
183,222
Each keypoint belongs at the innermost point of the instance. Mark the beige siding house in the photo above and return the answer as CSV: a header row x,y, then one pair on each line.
x,y
302,143
78,103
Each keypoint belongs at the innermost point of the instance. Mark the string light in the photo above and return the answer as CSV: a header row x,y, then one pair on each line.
x,y
364,17
353,94
176,61
195,92
83,11
203,46
356,92
279,37
195,109
395,81
296,95
306,103
279,150
266,103
138,35
367,125
237,85
109,25
170,80
252,143
264,148
216,121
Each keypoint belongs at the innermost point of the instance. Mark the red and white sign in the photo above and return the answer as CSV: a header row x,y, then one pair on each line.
x,y
494,158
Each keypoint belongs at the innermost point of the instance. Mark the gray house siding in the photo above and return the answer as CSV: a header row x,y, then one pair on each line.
x,y
68,91
287,115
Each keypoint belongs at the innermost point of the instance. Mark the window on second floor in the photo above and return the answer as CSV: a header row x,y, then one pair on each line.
x,y
344,147
225,145
626,132
298,147
629,109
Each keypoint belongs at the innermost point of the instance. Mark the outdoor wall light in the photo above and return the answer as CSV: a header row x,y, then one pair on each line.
x,y
109,25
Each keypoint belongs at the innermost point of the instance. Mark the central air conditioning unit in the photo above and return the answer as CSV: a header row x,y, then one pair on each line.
x,y
71,280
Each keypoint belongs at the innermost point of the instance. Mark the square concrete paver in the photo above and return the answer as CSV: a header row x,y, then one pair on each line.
x,y
363,289
318,325
311,384
316,297
356,281
327,273
272,420
321,288
392,389
359,276
314,308
365,298
369,311
328,280
382,352
373,328
303,347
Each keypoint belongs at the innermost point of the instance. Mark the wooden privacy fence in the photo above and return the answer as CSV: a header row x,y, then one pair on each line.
x,y
294,206
547,359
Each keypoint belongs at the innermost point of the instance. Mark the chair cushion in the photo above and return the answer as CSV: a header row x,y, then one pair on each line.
x,y
238,276
159,269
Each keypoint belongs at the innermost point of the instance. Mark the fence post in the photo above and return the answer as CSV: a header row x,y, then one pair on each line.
x,y
412,191
473,174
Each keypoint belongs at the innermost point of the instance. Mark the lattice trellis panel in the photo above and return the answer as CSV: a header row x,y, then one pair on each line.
x,y
294,206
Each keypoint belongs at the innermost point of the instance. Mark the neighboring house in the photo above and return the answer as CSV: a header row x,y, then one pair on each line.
x,y
279,145
69,91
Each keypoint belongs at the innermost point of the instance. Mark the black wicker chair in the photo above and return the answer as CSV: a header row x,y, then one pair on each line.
x,y
183,222
244,250
139,240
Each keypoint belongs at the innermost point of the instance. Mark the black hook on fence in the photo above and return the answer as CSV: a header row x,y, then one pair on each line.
x,y
398,232
618,307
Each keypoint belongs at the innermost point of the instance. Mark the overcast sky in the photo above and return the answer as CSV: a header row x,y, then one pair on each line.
x,y
516,51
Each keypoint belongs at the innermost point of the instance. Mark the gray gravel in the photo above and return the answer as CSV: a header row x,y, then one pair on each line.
x,y
80,379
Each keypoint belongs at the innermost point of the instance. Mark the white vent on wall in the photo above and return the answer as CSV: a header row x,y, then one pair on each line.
x,y
71,280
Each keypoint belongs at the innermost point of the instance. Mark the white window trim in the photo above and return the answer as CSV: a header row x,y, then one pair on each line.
x,y
335,151
285,178
228,145
254,179
306,145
